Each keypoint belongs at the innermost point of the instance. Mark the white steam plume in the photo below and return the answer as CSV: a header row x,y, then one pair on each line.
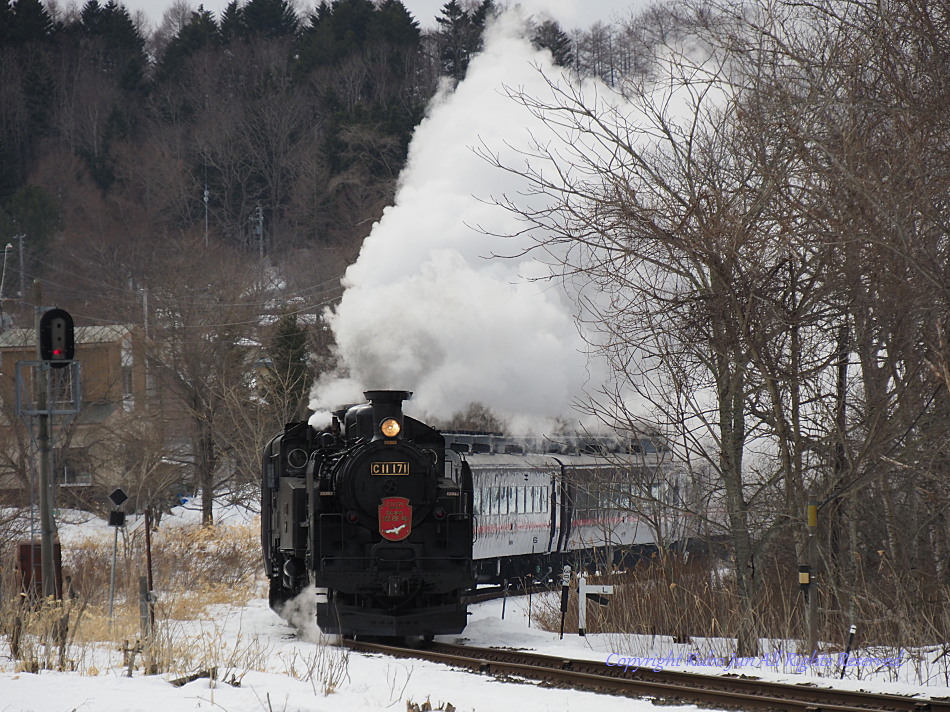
x,y
424,309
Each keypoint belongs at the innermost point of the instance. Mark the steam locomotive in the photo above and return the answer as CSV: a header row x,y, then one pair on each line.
x,y
375,516
394,522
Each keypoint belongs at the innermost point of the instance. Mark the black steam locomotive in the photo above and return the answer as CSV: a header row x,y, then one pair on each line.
x,y
376,515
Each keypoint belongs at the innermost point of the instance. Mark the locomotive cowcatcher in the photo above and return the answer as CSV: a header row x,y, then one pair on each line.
x,y
376,515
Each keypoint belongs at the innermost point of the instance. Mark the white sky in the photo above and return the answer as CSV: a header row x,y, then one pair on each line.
x,y
570,13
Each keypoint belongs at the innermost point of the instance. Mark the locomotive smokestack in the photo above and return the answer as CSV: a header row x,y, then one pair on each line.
x,y
387,406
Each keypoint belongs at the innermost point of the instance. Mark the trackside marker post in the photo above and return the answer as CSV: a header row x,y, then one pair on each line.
x,y
847,650
116,520
594,593
565,592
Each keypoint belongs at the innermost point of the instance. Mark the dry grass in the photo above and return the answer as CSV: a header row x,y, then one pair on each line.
x,y
200,576
694,602
193,567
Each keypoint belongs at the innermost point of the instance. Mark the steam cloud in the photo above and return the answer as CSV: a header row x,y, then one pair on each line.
x,y
425,309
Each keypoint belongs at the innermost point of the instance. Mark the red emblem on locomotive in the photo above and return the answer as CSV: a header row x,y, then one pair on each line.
x,y
395,518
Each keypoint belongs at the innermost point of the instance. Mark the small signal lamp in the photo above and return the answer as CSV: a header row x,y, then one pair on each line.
x,y
390,427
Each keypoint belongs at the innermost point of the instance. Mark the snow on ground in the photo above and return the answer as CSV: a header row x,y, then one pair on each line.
x,y
283,669
361,682
370,683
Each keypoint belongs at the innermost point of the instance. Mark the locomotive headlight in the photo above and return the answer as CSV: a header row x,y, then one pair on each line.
x,y
390,427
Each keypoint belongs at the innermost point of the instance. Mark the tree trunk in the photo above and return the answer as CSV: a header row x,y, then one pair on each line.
x,y
732,430
205,462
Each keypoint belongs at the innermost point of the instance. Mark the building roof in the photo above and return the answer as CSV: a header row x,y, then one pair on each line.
x,y
101,334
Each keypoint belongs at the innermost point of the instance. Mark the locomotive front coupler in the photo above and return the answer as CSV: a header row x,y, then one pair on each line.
x,y
397,586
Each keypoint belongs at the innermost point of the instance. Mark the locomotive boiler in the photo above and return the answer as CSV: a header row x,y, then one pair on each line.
x,y
376,515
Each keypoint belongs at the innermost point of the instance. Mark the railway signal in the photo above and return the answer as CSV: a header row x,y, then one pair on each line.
x,y
57,343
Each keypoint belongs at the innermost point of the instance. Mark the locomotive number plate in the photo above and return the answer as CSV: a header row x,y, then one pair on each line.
x,y
389,468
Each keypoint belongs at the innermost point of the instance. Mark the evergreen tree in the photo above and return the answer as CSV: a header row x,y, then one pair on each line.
x,y
286,381
90,16
108,33
28,22
550,36
270,18
6,22
396,24
233,26
460,35
200,33
32,211
481,14
335,31
455,33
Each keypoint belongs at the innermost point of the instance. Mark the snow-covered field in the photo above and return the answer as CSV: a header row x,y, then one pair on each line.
x,y
279,668
300,665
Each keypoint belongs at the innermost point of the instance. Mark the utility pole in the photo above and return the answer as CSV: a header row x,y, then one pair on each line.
x,y
3,279
206,213
47,523
22,294
259,219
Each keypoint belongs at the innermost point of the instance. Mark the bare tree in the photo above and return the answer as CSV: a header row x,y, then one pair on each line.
x,y
205,309
663,215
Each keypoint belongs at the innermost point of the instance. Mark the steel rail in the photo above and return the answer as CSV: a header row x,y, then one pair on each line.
x,y
670,686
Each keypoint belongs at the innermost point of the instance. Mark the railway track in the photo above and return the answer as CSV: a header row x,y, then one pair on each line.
x,y
725,691
496,592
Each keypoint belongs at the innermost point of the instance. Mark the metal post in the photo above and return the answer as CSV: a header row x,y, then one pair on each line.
x,y
811,615
148,566
6,255
582,605
143,609
22,294
565,592
847,650
3,279
206,213
47,523
115,547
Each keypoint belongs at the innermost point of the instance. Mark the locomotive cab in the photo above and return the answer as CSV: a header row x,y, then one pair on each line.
x,y
284,511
